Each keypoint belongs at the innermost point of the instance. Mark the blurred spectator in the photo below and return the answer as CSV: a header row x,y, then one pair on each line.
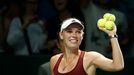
x,y
95,39
65,9
8,12
26,34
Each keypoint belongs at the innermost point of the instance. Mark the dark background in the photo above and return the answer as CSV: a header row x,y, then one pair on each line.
x,y
28,65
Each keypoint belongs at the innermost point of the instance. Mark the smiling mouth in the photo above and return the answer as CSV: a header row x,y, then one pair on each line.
x,y
73,41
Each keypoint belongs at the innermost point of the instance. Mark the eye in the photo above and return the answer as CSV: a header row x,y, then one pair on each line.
x,y
69,31
79,32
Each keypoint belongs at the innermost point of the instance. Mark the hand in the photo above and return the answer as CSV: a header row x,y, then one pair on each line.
x,y
109,32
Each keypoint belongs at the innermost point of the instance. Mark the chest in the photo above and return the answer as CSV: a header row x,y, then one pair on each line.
x,y
68,66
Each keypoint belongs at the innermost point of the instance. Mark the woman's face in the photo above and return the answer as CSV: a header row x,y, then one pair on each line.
x,y
72,36
60,4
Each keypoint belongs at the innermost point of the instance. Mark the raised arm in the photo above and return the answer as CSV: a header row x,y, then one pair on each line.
x,y
117,56
117,61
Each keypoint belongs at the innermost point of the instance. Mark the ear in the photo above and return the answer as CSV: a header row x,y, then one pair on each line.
x,y
82,35
61,35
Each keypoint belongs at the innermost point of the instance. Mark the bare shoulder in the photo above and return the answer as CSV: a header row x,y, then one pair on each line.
x,y
88,61
55,57
92,54
53,61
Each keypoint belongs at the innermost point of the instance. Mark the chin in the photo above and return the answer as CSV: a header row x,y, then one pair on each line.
x,y
74,46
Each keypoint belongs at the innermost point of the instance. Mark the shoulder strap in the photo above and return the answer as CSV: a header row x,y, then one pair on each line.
x,y
57,65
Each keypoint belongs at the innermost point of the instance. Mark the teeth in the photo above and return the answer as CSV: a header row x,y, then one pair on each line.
x,y
73,41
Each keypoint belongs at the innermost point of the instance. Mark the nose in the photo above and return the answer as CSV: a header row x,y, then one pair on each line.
x,y
74,34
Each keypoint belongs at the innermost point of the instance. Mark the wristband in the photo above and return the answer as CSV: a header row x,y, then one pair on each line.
x,y
113,36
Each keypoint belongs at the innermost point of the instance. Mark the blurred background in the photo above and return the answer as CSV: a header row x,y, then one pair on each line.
x,y
29,32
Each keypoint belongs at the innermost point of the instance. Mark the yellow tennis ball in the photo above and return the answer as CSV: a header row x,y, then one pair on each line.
x,y
109,25
106,16
109,17
101,23
112,17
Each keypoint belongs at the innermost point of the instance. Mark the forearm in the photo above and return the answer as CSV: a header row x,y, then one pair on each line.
x,y
117,56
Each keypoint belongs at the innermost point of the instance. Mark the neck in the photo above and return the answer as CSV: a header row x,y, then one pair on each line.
x,y
71,53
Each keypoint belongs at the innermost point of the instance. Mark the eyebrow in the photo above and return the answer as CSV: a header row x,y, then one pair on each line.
x,y
71,29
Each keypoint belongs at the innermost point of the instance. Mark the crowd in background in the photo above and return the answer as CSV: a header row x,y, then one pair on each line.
x,y
30,27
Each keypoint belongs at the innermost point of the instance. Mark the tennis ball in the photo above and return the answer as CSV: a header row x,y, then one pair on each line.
x,y
109,25
106,16
112,18
101,23
109,17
